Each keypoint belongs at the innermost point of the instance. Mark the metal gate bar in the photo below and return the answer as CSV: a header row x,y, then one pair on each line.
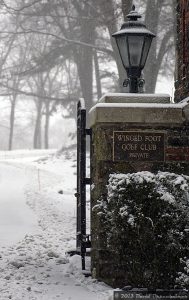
x,y
82,239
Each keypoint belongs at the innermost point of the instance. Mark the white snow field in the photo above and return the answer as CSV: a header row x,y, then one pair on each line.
x,y
37,227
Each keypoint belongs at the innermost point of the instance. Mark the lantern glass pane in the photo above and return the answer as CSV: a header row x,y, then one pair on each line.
x,y
147,44
135,49
123,49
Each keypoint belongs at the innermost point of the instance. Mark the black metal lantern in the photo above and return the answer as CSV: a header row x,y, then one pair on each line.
x,y
133,41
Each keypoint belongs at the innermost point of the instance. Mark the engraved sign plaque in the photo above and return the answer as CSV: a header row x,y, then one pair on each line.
x,y
138,146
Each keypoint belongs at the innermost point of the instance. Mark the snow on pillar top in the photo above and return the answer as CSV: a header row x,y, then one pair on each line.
x,y
111,109
135,98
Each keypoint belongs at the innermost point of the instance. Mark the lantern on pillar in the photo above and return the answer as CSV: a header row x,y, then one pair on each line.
x,y
134,41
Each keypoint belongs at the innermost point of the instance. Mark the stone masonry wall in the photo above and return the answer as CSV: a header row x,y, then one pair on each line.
x,y
182,51
104,265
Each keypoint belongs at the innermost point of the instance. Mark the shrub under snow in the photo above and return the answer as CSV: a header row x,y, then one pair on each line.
x,y
146,219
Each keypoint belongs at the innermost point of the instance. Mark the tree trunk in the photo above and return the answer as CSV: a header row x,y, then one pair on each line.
x,y
107,7
126,7
37,131
12,118
84,55
97,74
85,72
157,52
47,119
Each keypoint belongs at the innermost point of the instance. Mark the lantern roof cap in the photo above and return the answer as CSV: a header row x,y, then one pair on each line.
x,y
133,26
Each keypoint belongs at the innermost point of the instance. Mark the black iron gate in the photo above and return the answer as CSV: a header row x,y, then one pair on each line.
x,y
82,238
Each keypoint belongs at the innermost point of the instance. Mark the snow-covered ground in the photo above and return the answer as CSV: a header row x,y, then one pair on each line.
x,y
37,227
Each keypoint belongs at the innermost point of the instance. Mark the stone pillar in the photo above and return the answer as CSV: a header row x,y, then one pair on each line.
x,y
132,133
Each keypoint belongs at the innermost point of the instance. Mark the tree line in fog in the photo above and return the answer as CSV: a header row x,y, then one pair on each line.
x,y
54,52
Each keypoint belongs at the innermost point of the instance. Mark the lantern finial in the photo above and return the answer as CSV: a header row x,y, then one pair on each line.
x,y
133,15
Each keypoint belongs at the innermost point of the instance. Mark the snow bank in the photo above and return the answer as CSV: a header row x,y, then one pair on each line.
x,y
37,266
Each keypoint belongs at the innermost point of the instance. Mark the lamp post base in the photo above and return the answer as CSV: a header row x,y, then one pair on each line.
x,y
133,85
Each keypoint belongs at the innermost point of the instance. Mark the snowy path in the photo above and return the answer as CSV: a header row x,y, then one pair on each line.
x,y
33,264
16,218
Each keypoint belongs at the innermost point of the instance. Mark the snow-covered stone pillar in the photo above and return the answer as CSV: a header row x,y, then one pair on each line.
x,y
132,133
